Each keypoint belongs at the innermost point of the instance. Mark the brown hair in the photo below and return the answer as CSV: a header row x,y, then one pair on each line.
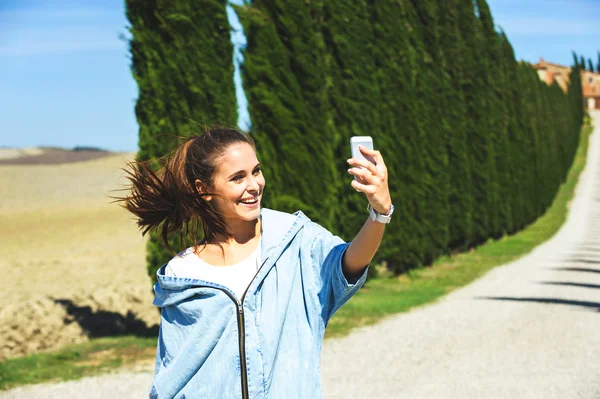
x,y
169,198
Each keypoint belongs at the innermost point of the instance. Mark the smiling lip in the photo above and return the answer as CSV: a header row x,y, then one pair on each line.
x,y
252,204
249,199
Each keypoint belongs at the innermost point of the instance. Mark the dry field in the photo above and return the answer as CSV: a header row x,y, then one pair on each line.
x,y
12,153
67,254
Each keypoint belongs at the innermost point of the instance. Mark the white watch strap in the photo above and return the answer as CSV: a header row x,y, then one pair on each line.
x,y
378,217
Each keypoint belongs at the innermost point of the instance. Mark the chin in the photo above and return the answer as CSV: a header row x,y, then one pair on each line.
x,y
249,214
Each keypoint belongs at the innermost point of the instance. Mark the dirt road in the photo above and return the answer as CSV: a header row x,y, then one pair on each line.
x,y
528,329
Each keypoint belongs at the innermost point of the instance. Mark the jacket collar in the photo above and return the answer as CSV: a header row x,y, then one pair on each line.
x,y
278,230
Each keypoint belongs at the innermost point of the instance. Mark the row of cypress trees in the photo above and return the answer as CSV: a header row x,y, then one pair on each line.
x,y
476,145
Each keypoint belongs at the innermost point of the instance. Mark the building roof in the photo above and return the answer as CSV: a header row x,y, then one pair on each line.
x,y
544,64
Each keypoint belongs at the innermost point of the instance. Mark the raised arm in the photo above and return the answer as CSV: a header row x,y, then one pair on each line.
x,y
372,180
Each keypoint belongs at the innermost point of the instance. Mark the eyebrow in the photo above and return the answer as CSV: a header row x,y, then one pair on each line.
x,y
242,171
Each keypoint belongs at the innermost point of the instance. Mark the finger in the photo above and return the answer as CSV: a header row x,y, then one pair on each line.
x,y
363,174
364,151
372,153
358,178
363,164
363,188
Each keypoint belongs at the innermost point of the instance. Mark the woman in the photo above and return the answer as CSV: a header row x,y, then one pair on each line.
x,y
243,312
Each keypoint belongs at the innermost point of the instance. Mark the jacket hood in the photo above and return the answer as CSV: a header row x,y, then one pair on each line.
x,y
278,230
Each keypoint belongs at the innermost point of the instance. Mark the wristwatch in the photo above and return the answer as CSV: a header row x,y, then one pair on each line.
x,y
378,217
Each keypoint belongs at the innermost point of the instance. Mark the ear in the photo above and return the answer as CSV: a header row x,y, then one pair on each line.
x,y
202,188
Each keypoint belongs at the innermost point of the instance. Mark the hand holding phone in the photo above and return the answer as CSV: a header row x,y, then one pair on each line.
x,y
370,174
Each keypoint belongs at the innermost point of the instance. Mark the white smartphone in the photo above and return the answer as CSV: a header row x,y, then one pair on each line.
x,y
365,141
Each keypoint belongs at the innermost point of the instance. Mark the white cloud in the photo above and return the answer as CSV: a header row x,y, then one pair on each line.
x,y
68,39
59,47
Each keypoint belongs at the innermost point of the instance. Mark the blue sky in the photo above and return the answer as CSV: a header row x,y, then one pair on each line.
x,y
65,78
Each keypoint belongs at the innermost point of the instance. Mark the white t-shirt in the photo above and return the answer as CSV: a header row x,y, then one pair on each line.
x,y
236,277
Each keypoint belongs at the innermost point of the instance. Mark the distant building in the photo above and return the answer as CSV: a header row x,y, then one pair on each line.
x,y
591,89
550,73
590,81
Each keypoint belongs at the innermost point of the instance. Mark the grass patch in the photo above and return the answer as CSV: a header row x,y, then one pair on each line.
x,y
384,297
82,360
380,298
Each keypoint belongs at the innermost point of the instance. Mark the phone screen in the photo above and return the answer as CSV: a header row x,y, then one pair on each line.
x,y
364,141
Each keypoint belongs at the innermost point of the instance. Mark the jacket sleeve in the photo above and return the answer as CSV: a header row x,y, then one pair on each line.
x,y
326,253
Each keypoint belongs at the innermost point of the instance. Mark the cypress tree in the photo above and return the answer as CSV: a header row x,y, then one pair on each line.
x,y
477,127
575,89
286,85
528,123
512,151
396,62
453,64
575,59
433,87
576,109
352,96
182,62
497,124
541,149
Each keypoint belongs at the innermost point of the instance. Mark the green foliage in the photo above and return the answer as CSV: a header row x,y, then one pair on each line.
x,y
181,59
475,144
286,88
453,104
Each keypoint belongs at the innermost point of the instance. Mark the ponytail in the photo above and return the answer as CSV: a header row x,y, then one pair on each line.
x,y
167,199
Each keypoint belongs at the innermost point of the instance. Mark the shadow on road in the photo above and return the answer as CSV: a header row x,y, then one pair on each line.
x,y
555,301
584,260
569,284
590,249
104,323
576,269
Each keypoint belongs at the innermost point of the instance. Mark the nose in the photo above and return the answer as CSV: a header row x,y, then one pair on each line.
x,y
253,186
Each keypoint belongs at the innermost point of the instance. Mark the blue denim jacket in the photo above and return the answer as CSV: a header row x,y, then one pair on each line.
x,y
266,345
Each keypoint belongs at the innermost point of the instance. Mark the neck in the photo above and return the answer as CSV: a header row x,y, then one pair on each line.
x,y
241,232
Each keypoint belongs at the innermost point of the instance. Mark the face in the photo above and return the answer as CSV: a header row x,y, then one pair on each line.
x,y
239,183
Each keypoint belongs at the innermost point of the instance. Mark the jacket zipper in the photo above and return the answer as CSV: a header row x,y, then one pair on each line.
x,y
242,334
242,342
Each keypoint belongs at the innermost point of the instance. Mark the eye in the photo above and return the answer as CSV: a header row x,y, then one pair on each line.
x,y
257,171
238,178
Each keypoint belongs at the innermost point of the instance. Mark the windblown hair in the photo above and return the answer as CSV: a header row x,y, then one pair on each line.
x,y
167,200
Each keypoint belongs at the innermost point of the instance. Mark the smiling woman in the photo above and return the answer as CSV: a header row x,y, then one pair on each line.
x,y
244,309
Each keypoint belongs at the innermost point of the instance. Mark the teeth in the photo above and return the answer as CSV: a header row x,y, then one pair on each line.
x,y
252,201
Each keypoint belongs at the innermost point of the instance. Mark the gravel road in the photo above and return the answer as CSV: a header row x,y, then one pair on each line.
x,y
528,329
